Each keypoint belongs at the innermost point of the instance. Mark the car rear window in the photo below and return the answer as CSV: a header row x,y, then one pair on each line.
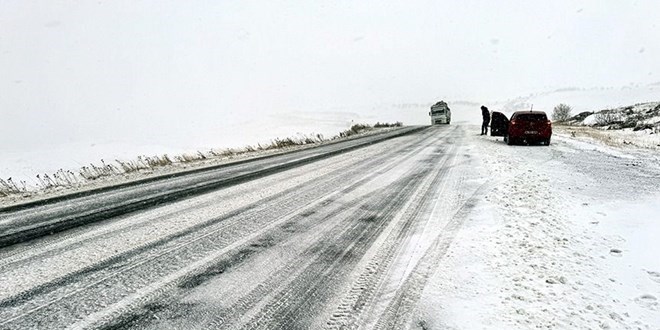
x,y
532,117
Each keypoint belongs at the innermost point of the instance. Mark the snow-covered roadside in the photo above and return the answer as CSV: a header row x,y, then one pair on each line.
x,y
564,237
636,125
646,139
175,167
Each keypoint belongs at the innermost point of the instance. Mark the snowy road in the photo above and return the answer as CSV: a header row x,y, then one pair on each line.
x,y
405,233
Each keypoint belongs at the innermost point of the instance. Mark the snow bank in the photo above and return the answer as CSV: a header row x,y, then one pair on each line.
x,y
565,238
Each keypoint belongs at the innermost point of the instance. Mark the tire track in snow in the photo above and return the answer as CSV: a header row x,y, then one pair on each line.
x,y
398,314
86,273
60,248
295,306
361,294
129,264
248,302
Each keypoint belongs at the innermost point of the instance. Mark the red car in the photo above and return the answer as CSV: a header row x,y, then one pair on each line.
x,y
523,127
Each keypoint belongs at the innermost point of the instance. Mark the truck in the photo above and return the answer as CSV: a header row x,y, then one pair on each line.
x,y
440,113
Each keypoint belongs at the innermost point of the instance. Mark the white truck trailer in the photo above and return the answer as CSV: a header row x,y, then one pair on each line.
x,y
440,113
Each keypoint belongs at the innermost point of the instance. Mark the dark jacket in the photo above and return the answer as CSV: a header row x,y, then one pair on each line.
x,y
486,114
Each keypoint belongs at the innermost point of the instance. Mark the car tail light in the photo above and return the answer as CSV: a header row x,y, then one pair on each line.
x,y
513,122
549,123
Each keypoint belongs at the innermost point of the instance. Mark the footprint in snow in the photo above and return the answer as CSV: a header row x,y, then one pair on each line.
x,y
616,252
648,301
655,276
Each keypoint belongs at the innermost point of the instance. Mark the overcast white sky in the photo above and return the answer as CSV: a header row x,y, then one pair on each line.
x,y
87,70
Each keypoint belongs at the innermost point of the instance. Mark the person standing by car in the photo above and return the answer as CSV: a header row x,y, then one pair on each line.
x,y
486,116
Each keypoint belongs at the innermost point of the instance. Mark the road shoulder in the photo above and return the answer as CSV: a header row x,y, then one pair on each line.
x,y
557,242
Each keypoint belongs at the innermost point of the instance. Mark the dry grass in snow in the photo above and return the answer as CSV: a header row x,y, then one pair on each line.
x,y
119,170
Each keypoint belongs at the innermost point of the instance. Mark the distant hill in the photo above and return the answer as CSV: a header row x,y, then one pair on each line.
x,y
581,100
641,116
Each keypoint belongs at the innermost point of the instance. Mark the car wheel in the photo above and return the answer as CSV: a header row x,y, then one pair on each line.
x,y
509,141
547,142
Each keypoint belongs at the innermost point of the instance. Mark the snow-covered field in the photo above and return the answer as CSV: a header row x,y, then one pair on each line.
x,y
69,145
127,144
644,139
113,178
564,238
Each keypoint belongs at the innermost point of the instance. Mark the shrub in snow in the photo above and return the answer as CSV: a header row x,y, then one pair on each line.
x,y
606,117
644,126
562,112
380,125
633,120
355,129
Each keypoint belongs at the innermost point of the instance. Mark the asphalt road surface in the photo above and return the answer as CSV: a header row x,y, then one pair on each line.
x,y
342,241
